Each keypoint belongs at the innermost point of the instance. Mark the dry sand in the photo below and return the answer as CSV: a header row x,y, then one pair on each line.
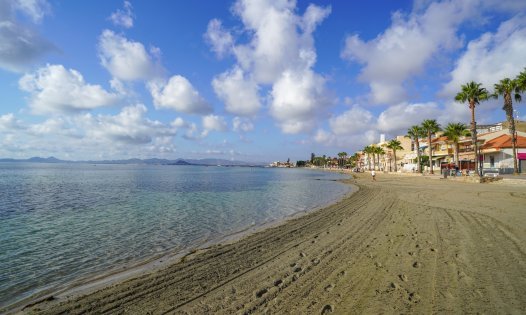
x,y
398,245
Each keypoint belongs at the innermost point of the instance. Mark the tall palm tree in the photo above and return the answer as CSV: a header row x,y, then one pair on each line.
x,y
415,133
368,150
521,78
473,93
394,145
430,127
453,132
342,157
379,151
507,87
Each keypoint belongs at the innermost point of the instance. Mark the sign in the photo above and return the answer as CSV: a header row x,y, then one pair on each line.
x,y
521,156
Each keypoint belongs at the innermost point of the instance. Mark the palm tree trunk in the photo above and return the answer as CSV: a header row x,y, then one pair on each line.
x,y
430,152
474,136
508,108
457,162
419,168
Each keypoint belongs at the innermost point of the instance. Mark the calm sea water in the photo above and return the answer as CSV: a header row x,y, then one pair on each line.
x,y
61,222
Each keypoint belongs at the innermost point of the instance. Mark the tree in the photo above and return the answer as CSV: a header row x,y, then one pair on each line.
x,y
368,150
430,126
379,151
506,88
415,133
342,157
453,132
521,79
473,93
312,156
394,145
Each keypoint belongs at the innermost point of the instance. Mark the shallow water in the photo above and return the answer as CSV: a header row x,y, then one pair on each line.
x,y
61,222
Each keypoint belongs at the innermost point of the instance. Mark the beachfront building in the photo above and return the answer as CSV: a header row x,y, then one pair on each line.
x,y
497,154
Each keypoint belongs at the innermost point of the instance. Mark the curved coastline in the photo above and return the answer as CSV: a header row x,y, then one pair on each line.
x,y
89,284
400,244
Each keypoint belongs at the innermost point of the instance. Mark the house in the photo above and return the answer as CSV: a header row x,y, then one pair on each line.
x,y
497,154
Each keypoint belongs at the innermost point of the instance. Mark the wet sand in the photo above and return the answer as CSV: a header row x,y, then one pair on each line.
x,y
397,245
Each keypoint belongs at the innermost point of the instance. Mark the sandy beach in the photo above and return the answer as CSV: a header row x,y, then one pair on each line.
x,y
397,245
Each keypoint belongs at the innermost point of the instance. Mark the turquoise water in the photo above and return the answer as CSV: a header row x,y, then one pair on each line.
x,y
61,222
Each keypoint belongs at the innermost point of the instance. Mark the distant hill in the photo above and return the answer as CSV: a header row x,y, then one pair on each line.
x,y
153,161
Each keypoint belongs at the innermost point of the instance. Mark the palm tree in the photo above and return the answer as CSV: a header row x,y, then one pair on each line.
x,y
379,151
453,132
342,157
521,78
473,93
506,88
430,126
415,133
368,150
394,145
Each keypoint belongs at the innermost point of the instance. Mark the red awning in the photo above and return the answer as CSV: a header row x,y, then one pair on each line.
x,y
521,156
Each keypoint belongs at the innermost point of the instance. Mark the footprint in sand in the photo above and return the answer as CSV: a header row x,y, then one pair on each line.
x,y
297,269
278,283
261,292
327,309
302,254
315,261
416,264
403,277
329,287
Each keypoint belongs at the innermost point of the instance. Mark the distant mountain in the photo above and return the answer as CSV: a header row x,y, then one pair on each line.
x,y
152,161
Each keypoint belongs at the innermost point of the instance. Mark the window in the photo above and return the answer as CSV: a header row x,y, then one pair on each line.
x,y
492,161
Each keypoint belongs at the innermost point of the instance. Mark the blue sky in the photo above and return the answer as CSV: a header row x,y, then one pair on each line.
x,y
253,80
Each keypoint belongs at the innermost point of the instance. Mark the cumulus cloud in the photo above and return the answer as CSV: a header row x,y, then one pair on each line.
x,y
405,48
239,94
352,121
242,125
491,57
297,100
178,94
219,39
398,118
128,60
214,123
124,17
280,53
128,133
56,89
355,141
21,45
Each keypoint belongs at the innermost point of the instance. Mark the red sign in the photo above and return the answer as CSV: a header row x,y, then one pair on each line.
x,y
521,156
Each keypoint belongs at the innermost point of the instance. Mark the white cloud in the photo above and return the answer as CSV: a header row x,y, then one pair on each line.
x,y
352,142
123,17
242,125
280,52
239,94
398,118
491,57
21,45
220,40
178,94
129,133
129,126
214,123
128,60
355,120
298,100
405,48
8,122
56,89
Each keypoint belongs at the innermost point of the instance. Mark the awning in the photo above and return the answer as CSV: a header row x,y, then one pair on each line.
x,y
521,156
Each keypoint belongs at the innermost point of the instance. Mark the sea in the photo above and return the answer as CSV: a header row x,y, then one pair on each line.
x,y
64,222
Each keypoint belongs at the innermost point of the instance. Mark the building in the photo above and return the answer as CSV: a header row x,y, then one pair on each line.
x,y
497,154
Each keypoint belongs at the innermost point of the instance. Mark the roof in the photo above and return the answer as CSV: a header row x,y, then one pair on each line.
x,y
439,139
504,141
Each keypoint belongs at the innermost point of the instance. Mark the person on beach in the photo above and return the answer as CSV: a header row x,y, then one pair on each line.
x,y
373,173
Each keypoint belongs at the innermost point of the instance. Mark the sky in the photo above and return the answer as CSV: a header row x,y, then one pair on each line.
x,y
250,80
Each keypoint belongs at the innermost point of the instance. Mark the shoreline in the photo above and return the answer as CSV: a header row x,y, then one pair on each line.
x,y
400,244
89,284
